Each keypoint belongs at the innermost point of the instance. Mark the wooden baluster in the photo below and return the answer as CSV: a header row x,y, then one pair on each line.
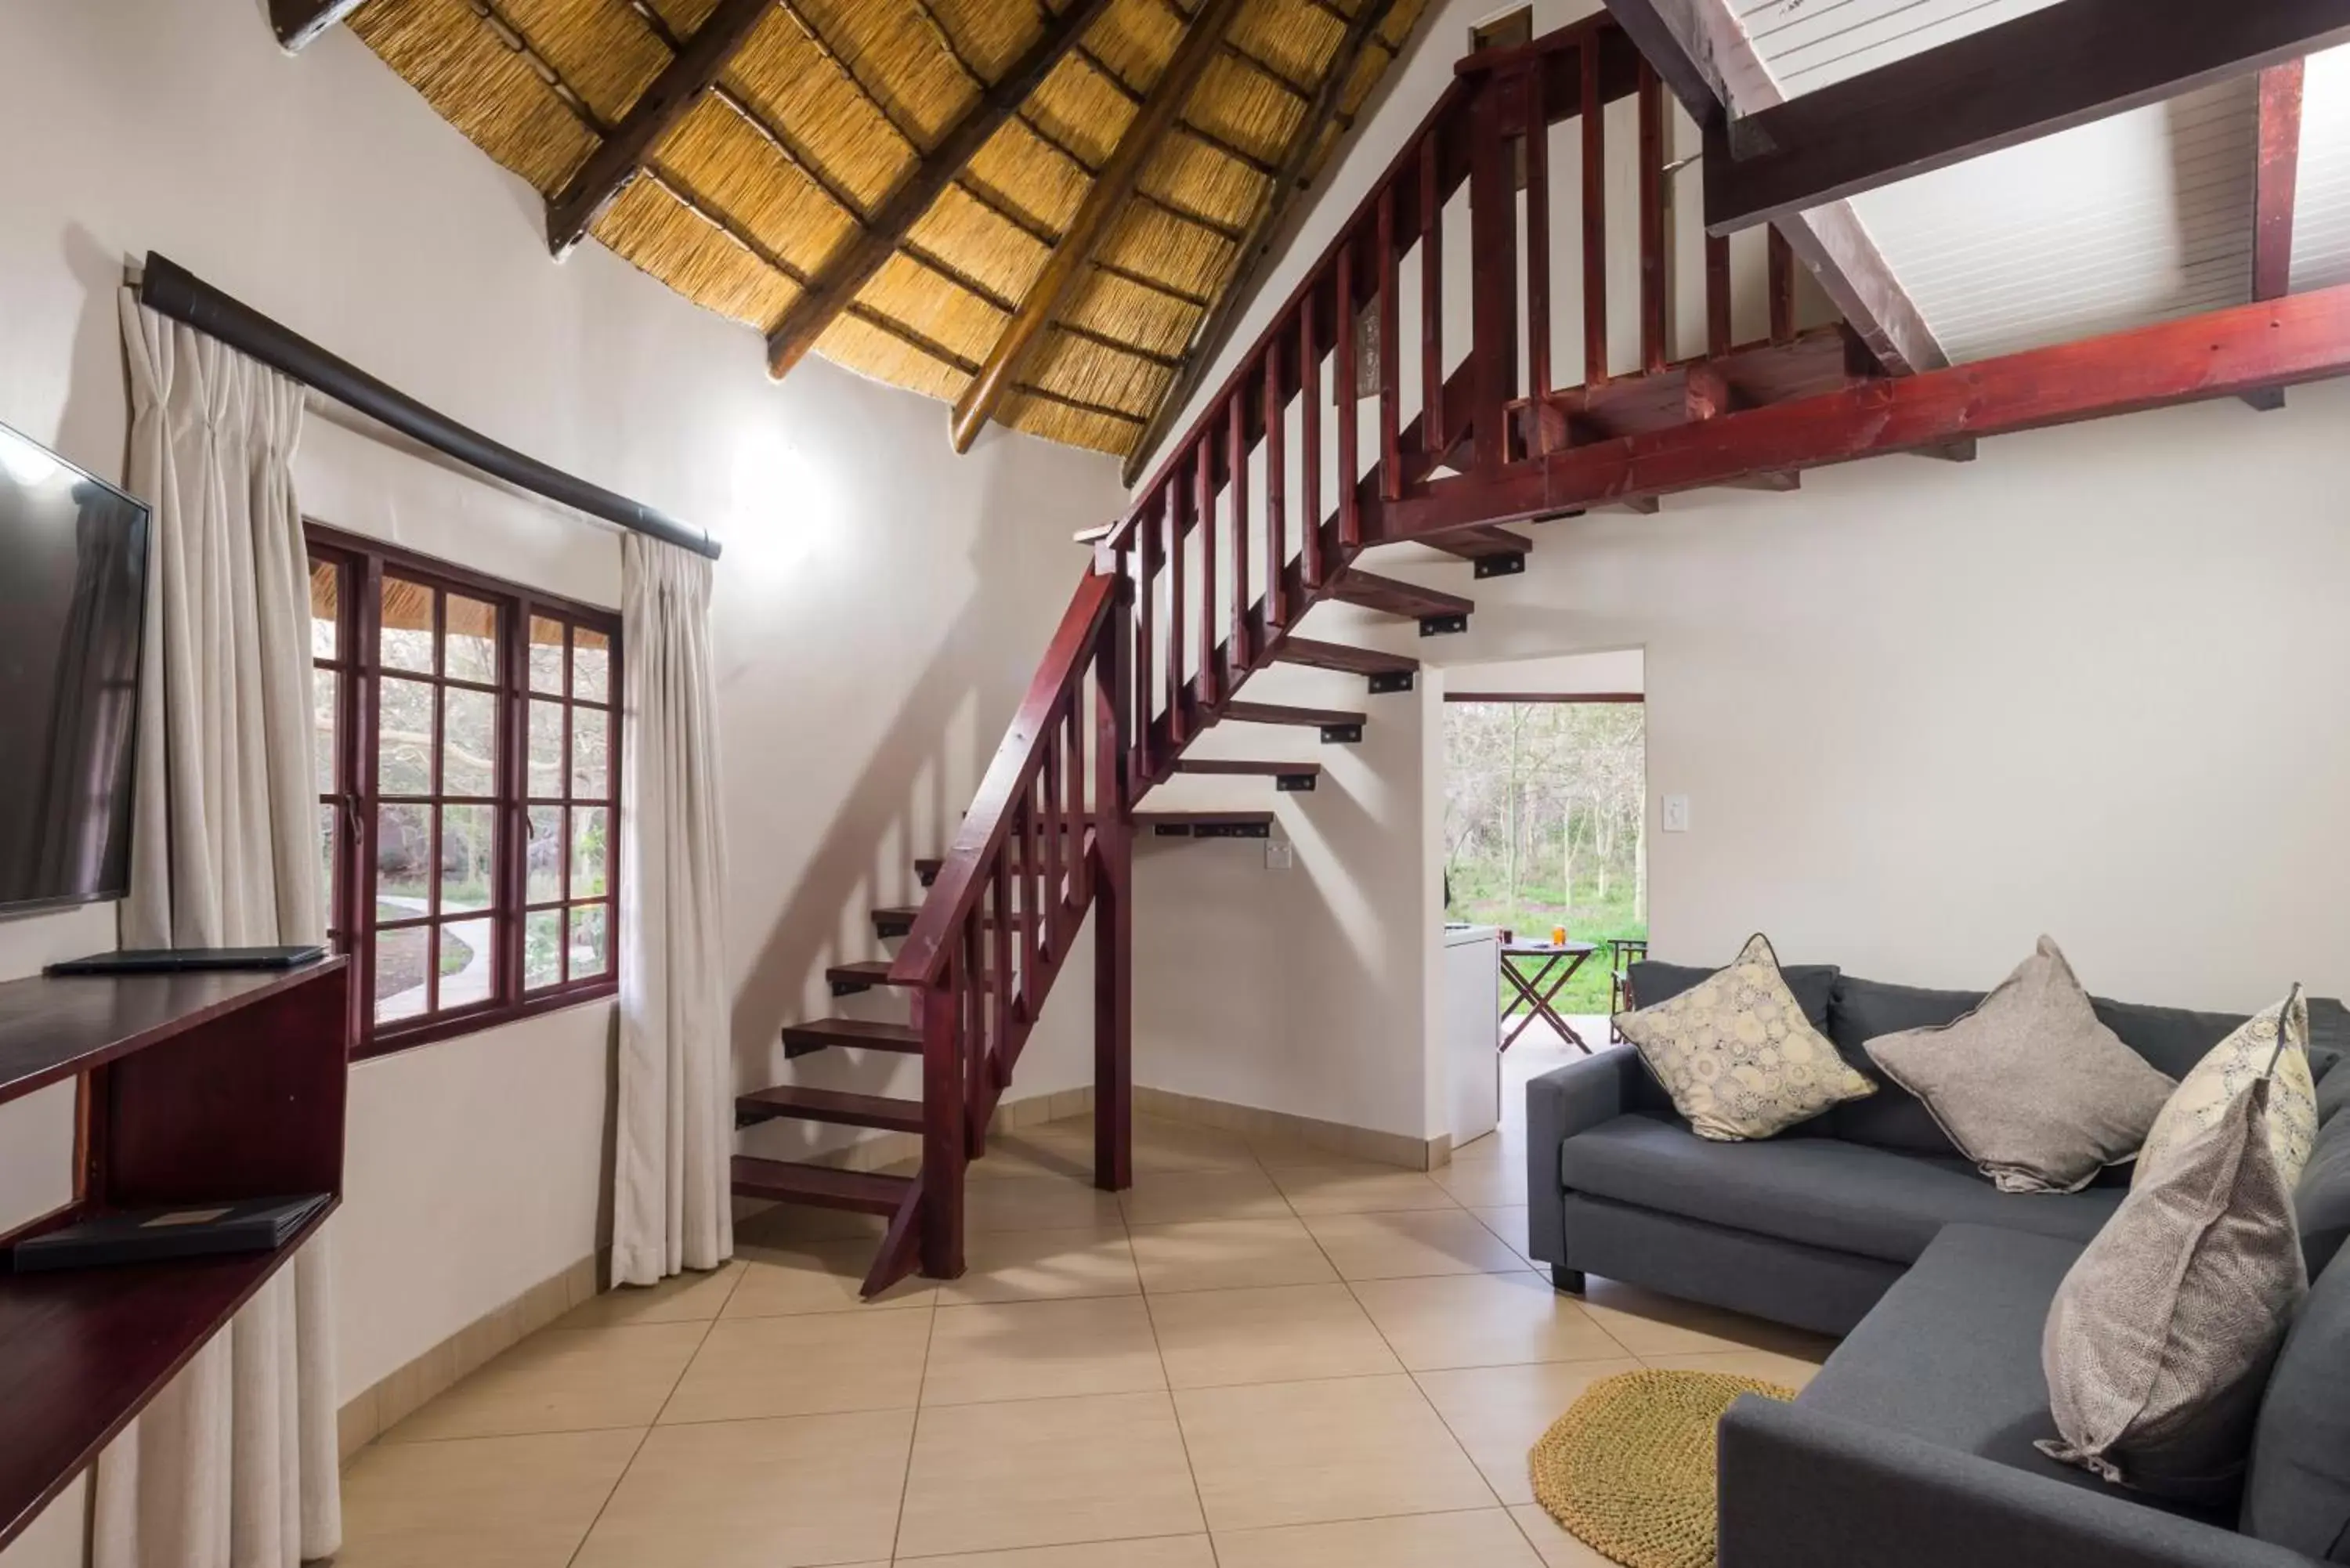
x,y
1655,280
1113,940
944,1134
1435,436
1493,281
1276,486
1391,352
1206,495
1056,826
973,943
1032,896
1718,330
1236,465
1179,729
1782,288
1074,774
1309,447
1146,634
1538,155
1006,929
1349,405
1595,219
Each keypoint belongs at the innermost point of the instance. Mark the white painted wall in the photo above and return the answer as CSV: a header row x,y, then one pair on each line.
x,y
1614,671
880,606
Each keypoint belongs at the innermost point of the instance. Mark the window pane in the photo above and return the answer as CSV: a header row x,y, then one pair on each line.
x,y
326,690
465,961
404,737
469,742
588,954
407,626
470,647
546,748
589,766
404,853
399,973
326,815
591,665
542,950
546,655
589,852
545,883
468,870
326,609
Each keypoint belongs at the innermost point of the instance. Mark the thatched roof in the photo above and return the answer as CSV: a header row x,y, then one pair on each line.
x,y
759,188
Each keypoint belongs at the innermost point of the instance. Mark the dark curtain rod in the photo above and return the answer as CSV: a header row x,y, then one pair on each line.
x,y
171,289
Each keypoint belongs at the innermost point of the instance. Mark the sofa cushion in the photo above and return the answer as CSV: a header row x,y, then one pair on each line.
x,y
1892,1117
2297,1491
2272,1043
1823,1192
1652,982
2322,1201
1951,1354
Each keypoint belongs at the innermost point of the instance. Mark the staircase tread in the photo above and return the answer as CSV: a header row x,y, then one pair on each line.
x,y
825,1186
1340,657
863,971
835,1105
867,1033
1390,595
1278,714
1170,818
1247,769
1481,543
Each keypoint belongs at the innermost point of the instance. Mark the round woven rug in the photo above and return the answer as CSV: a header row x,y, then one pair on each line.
x,y
1628,1470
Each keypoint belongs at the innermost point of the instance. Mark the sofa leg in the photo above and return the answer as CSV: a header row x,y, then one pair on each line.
x,y
1563,1278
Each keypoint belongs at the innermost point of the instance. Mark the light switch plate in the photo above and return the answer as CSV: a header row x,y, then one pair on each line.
x,y
1676,813
1279,854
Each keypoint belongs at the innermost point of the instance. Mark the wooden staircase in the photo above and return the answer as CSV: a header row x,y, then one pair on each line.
x,y
1168,627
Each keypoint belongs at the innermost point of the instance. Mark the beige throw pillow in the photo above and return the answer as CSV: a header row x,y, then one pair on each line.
x,y
2229,1068
2030,1085
1737,1054
2159,1344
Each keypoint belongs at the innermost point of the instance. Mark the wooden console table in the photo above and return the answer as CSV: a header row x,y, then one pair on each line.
x,y
191,1088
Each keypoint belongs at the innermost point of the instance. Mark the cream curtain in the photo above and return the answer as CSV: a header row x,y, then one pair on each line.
x,y
234,1464
670,1203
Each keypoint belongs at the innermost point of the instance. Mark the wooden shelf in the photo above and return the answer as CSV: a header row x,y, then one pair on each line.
x,y
52,1029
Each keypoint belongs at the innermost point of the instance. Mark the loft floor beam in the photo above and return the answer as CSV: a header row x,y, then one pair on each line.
x,y
1201,44
296,22
620,157
2275,173
2220,353
2062,66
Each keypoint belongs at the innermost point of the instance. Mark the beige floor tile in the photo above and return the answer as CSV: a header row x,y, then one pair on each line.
x,y
1159,1146
1647,1323
1046,1472
758,1494
1789,1371
1498,1412
1043,1265
1511,1226
1421,1241
1040,1350
1285,1334
1355,1188
1558,1548
784,1223
1157,1552
815,1276
562,1380
519,1502
1301,1453
1171,1198
1017,1157
1229,1254
819,1364
1487,1537
1494,1146
1037,1203
688,1297
1483,1183
1481,1320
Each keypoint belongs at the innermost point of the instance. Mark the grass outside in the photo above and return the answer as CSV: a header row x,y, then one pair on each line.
x,y
1587,919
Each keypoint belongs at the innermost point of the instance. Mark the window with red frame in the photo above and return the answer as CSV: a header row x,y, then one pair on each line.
x,y
467,752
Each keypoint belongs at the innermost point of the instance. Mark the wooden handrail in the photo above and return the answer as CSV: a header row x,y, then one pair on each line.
x,y
956,891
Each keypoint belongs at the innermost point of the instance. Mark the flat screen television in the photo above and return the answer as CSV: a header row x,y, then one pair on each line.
x,y
73,608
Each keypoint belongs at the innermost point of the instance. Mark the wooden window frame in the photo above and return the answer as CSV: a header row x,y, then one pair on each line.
x,y
357,800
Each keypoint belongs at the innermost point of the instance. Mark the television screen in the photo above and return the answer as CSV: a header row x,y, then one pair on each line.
x,y
73,599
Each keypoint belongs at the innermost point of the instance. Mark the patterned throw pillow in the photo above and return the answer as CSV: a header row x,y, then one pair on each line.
x,y
2228,1070
1737,1054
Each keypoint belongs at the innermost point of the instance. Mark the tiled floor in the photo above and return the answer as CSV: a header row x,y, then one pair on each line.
x,y
1260,1357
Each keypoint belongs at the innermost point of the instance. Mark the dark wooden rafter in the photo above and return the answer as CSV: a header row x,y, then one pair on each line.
x,y
1215,329
622,155
1702,54
2275,175
840,278
296,22
1108,194
2056,68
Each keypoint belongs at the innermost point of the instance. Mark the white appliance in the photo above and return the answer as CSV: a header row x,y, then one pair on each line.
x,y
1472,1031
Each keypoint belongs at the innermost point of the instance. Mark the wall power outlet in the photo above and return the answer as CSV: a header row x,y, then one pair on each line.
x,y
1279,854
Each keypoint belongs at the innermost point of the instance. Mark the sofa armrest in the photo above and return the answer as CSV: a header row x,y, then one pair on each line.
x,y
1800,1489
1572,1099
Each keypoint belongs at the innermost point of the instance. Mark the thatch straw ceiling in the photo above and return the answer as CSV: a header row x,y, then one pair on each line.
x,y
874,169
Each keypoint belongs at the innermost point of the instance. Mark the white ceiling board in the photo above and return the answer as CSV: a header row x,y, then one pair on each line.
x,y
1807,44
2321,220
2133,219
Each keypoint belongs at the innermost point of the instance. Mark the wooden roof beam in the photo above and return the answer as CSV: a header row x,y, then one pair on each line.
x,y
849,269
1215,329
296,22
1107,195
2275,173
2062,65
1698,47
623,156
